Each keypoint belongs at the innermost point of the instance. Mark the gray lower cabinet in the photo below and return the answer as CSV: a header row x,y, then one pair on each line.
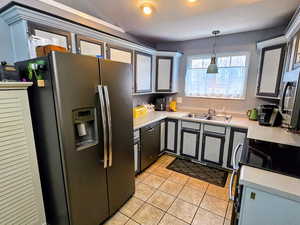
x,y
260,207
162,135
189,143
237,136
212,148
171,135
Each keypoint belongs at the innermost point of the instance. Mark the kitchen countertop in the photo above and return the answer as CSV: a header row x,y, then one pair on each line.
x,y
157,116
278,184
255,131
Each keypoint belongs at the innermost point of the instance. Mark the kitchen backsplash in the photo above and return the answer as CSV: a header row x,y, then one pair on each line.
x,y
142,99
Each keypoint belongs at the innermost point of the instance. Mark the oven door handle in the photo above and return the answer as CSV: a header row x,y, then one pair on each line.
x,y
231,195
234,159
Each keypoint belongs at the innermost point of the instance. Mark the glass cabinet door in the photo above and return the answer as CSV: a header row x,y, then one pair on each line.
x,y
89,46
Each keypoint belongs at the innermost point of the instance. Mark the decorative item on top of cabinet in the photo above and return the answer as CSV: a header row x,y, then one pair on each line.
x,y
164,73
89,46
119,54
237,136
270,72
171,135
142,72
44,35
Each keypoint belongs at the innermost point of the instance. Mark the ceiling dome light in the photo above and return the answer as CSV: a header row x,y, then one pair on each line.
x,y
192,1
147,9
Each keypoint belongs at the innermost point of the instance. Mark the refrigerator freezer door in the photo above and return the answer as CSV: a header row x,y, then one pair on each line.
x,y
118,79
76,79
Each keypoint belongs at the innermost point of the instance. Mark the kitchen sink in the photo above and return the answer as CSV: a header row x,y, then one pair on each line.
x,y
205,116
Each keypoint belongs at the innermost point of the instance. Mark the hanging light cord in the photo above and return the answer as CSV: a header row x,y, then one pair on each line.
x,y
214,45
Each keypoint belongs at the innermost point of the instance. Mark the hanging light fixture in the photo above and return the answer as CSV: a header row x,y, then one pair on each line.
x,y
213,68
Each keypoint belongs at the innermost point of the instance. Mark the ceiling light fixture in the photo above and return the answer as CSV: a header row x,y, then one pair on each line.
x,y
147,9
213,68
192,1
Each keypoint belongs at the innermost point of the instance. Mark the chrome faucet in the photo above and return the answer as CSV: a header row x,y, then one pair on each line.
x,y
211,112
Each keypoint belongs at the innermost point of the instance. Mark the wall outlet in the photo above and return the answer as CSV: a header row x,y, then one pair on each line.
x,y
179,100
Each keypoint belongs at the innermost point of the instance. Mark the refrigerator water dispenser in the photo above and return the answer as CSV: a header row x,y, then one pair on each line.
x,y
85,125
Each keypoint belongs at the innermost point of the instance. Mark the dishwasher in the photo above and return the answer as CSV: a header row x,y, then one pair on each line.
x,y
150,144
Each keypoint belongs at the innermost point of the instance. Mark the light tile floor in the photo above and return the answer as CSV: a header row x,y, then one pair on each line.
x,y
164,197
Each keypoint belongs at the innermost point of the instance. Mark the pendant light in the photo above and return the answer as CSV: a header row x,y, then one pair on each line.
x,y
213,68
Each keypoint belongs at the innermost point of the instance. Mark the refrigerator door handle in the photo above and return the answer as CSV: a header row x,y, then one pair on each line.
x,y
104,126
108,112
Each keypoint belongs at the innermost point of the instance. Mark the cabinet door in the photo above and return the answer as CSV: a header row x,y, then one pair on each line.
x,y
143,72
45,35
237,136
162,135
89,46
171,135
260,207
271,68
119,54
189,143
164,74
212,148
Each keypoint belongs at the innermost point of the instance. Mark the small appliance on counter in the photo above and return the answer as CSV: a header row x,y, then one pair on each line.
x,y
252,114
8,72
173,106
139,111
160,104
269,115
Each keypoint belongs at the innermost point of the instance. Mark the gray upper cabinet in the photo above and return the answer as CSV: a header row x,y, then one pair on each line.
x,y
89,46
45,35
143,72
164,73
270,72
119,54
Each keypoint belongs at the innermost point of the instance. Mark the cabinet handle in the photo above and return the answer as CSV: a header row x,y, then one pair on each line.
x,y
253,195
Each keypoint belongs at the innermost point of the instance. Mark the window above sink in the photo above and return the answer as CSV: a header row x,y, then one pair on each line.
x,y
229,83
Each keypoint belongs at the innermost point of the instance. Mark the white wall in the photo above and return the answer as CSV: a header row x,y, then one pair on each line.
x,y
241,42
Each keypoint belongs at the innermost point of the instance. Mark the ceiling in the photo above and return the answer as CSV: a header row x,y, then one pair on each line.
x,y
177,20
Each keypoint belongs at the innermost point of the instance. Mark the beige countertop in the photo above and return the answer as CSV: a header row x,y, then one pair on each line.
x,y
278,184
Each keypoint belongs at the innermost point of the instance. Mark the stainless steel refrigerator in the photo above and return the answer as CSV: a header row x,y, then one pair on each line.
x,y
83,128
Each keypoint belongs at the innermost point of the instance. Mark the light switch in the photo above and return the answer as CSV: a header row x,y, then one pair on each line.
x,y
179,99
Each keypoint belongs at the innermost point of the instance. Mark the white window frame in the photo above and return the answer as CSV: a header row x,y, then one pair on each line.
x,y
191,57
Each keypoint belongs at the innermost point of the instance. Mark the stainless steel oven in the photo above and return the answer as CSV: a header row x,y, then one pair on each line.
x,y
236,196
274,157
